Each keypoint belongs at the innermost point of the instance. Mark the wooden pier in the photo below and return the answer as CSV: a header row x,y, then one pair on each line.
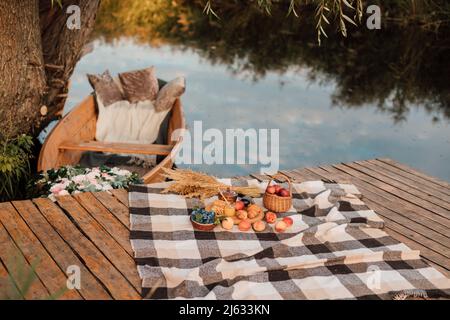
x,y
91,230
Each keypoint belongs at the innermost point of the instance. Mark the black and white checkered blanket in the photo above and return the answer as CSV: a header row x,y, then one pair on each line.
x,y
336,249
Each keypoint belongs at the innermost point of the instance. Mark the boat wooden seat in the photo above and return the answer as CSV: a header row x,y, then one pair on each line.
x,y
118,148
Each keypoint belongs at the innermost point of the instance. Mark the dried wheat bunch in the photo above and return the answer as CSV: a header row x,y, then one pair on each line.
x,y
192,184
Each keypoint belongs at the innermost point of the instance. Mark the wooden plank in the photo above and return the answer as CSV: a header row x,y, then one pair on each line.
x,y
418,246
430,194
19,268
117,208
121,195
415,172
78,125
436,241
415,241
304,175
437,257
435,202
431,250
107,245
260,177
119,148
60,250
397,204
117,285
382,198
350,169
412,179
107,220
8,289
53,278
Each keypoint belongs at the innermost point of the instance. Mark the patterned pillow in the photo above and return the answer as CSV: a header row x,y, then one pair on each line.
x,y
169,93
139,85
105,88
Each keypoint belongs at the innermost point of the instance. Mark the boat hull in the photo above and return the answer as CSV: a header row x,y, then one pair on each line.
x,y
79,126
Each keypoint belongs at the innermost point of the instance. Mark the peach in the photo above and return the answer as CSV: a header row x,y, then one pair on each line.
x,y
288,220
271,217
252,214
228,223
254,207
242,214
281,226
244,225
239,205
259,226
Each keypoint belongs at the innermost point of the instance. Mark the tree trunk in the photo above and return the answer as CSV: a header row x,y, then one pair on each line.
x,y
22,76
38,56
62,49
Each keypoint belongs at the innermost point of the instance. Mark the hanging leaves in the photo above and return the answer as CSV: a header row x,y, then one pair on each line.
x,y
325,8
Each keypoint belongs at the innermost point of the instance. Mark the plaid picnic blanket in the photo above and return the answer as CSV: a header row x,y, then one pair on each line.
x,y
336,249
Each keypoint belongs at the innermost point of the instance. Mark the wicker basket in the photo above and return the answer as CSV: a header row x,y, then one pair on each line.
x,y
276,203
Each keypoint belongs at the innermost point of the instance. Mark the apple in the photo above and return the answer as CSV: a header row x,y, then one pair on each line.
x,y
284,193
281,226
277,188
244,225
271,217
288,220
271,190
259,226
239,205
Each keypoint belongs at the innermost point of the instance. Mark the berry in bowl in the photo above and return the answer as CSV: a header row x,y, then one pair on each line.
x,y
203,220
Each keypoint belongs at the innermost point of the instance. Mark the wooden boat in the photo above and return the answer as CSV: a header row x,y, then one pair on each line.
x,y
75,134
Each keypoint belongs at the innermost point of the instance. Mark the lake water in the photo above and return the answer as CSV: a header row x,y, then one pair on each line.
x,y
327,112
312,131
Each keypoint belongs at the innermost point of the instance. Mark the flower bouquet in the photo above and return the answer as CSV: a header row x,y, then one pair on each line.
x,y
70,180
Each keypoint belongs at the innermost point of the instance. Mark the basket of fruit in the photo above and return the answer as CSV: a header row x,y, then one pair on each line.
x,y
277,198
203,220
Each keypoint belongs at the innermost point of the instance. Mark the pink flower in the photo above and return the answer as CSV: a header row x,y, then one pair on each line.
x,y
63,193
92,175
79,179
57,188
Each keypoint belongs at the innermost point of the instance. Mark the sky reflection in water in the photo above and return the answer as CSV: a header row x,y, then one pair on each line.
x,y
312,132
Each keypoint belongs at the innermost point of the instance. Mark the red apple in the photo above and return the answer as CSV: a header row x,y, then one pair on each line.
x,y
271,217
283,193
239,205
271,189
288,220
277,188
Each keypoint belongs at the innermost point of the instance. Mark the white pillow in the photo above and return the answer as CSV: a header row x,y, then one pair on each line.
x,y
129,123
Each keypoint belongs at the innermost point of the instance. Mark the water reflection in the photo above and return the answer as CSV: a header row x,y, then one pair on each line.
x,y
375,95
392,69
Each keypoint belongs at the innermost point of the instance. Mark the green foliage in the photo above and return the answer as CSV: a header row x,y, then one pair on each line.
x,y
21,276
341,9
58,2
75,179
15,155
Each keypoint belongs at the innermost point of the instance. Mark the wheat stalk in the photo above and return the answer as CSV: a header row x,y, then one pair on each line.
x,y
191,184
